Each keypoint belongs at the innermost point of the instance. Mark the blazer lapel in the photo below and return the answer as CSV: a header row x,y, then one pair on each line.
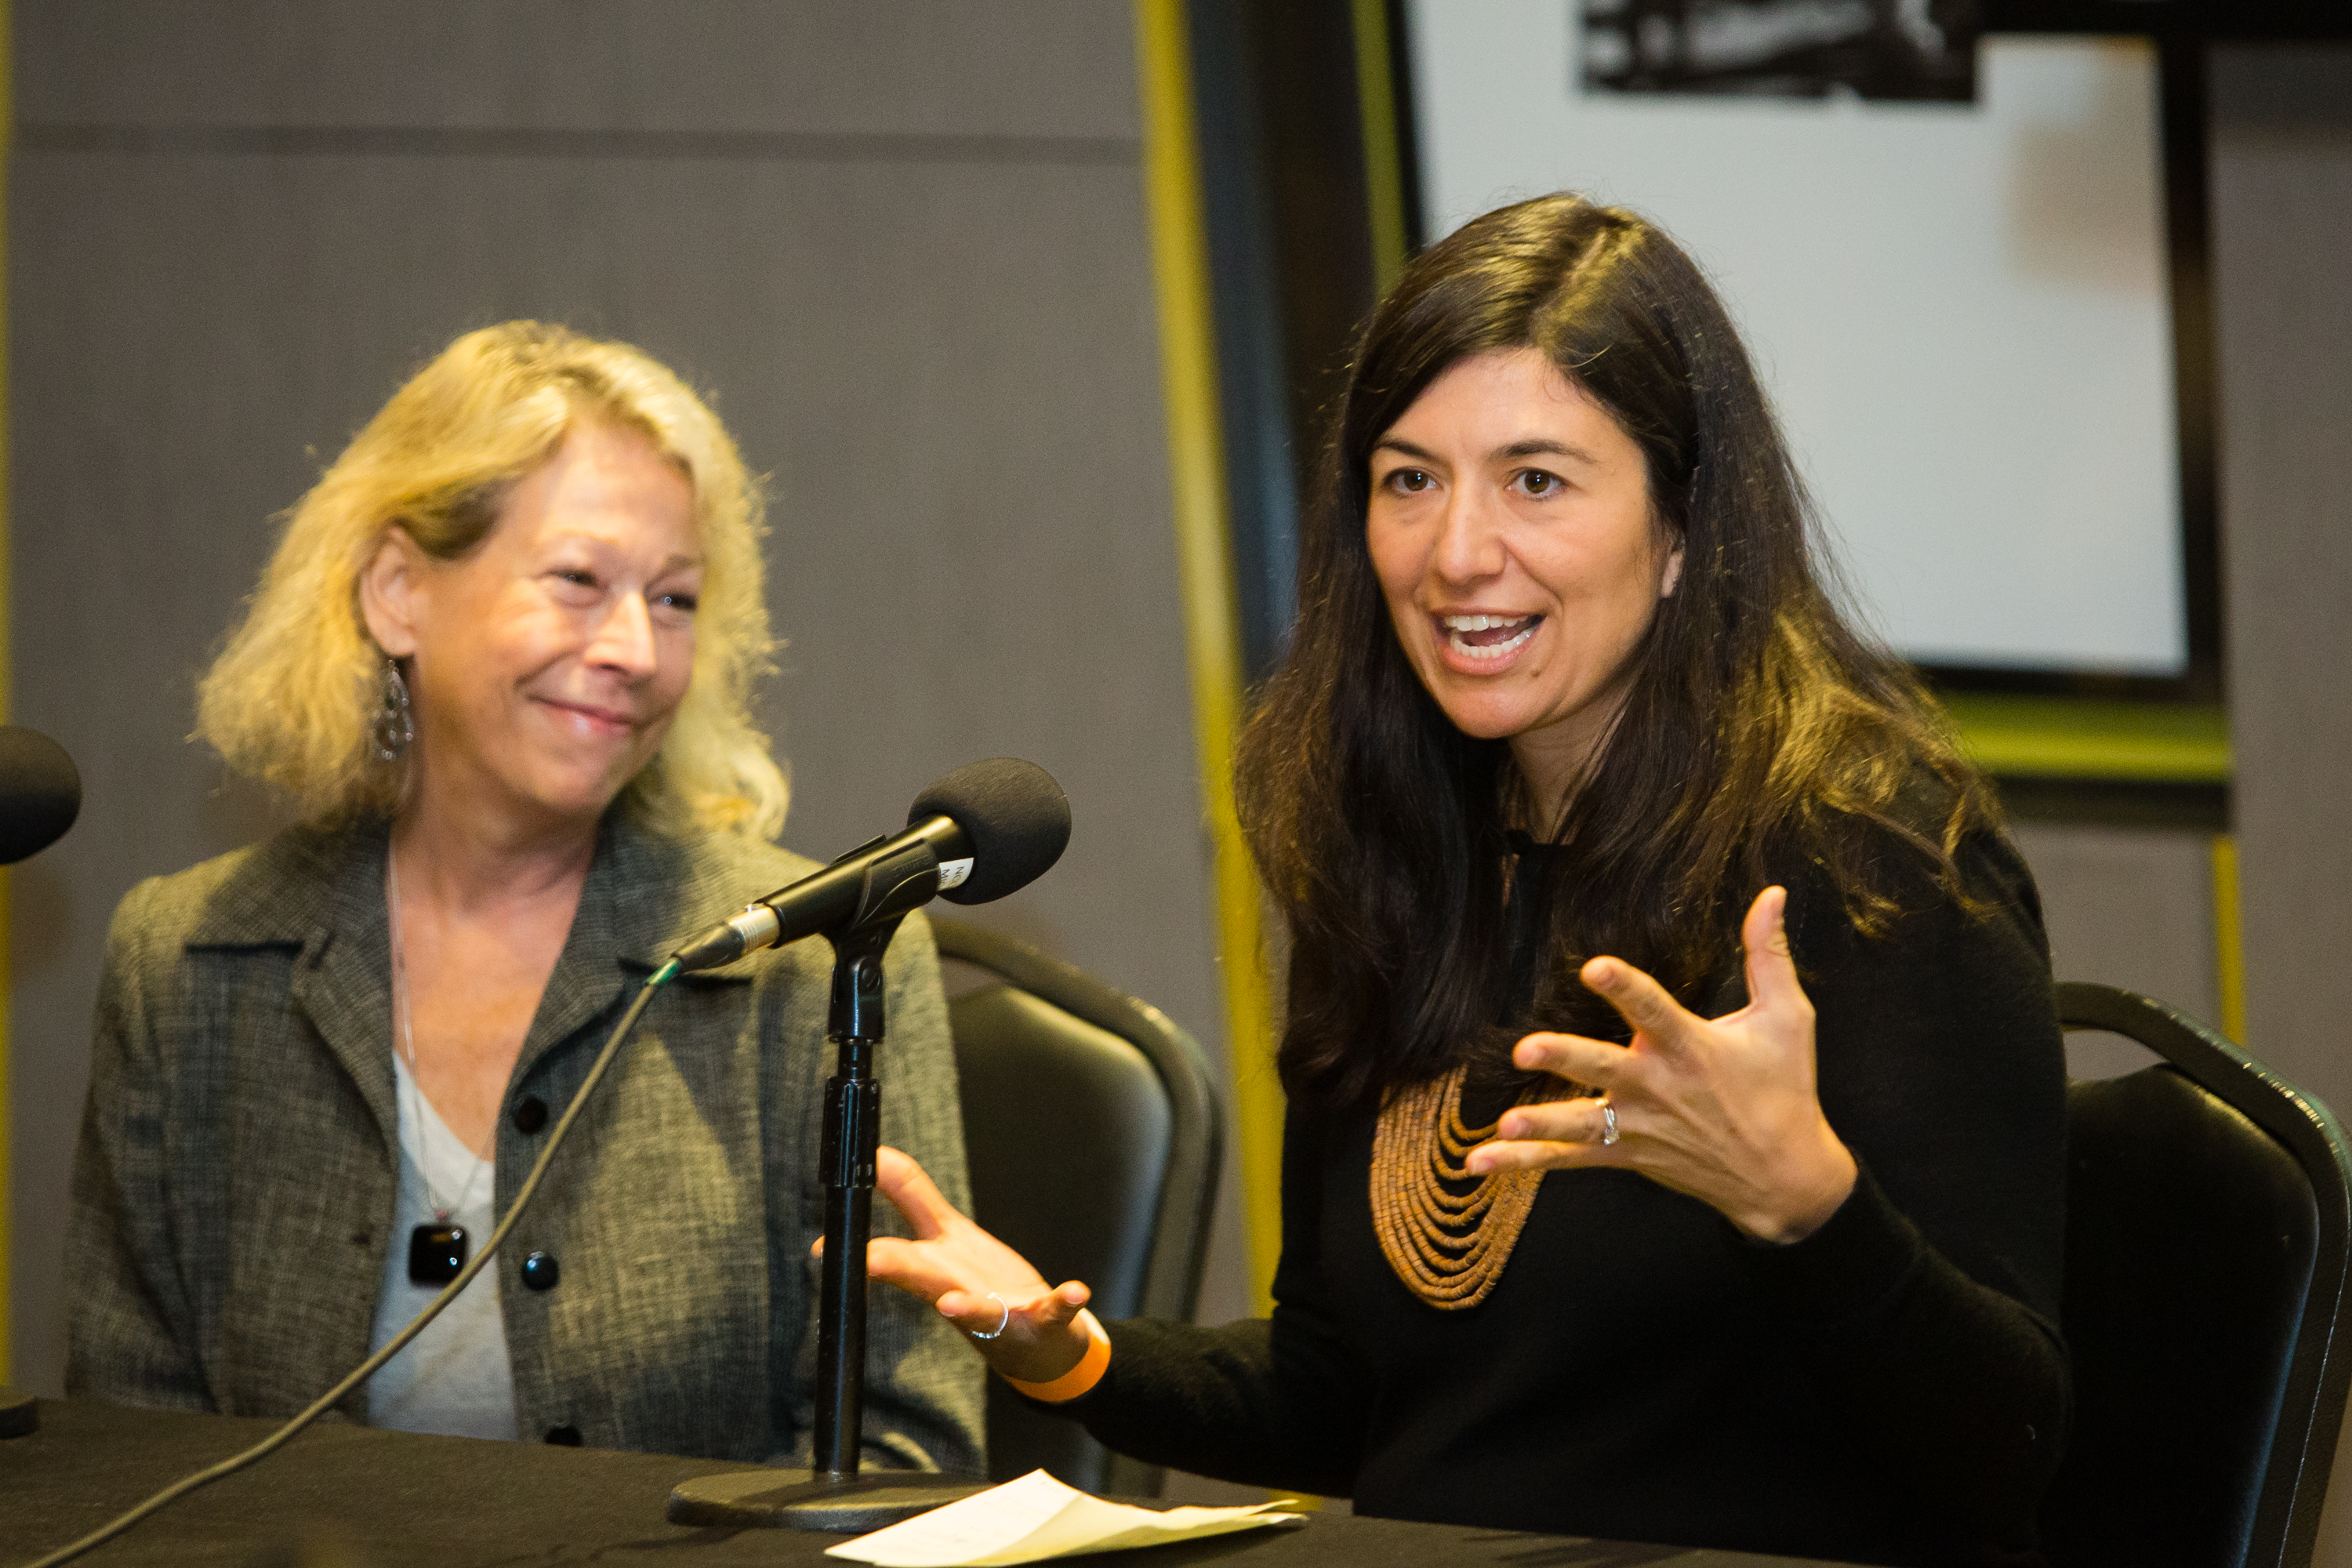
x,y
343,982
644,896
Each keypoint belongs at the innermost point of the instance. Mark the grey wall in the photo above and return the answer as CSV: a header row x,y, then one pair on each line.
x,y
2130,907
2283,226
904,243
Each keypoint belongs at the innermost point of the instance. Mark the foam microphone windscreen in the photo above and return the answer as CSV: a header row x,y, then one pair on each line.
x,y
1015,815
40,792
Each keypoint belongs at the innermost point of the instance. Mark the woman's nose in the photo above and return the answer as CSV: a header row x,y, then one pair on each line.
x,y
625,642
1469,541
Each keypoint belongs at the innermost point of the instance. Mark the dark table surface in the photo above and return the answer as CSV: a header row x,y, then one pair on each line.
x,y
343,1496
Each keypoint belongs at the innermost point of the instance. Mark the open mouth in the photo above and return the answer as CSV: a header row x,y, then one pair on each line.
x,y
1488,636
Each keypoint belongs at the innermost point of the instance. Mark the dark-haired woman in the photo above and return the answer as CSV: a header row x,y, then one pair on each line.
x,y
1675,1128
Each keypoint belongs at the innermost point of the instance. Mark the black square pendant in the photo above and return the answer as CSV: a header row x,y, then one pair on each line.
x,y
436,1254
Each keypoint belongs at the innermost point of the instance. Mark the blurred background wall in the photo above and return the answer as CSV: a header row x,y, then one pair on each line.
x,y
907,246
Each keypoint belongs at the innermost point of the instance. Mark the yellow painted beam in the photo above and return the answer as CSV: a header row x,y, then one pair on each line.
x,y
2072,738
1196,464
2229,940
1375,66
7,927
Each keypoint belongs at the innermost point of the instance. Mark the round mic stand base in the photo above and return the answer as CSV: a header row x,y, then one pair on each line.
x,y
803,1499
20,1412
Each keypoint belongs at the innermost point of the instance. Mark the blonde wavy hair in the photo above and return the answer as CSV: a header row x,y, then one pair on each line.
x,y
292,698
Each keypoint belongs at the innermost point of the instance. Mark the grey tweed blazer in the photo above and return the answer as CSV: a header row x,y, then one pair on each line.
x,y
235,1182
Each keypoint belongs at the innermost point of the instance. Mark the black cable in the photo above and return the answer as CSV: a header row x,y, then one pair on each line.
x,y
375,1363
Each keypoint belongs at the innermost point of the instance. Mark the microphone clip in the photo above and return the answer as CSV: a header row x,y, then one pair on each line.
x,y
896,885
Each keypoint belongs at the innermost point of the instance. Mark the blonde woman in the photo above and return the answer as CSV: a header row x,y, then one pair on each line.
x,y
501,662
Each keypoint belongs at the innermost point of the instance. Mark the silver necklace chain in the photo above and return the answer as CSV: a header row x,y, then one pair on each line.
x,y
408,1036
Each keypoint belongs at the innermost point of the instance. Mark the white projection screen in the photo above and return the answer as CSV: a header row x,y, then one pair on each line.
x,y
1961,311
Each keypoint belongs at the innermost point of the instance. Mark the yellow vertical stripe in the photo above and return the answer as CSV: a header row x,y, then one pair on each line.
x,y
1376,65
7,927
1188,377
2229,941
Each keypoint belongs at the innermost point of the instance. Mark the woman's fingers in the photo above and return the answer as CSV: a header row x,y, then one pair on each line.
x,y
973,1279
948,1258
1543,1154
1063,1305
913,1192
989,1314
1581,1120
1639,1000
983,1316
1596,1063
1643,1002
1772,983
914,1267
1034,1336
1724,1110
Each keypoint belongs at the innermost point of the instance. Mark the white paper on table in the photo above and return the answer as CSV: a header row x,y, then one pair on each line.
x,y
1035,1518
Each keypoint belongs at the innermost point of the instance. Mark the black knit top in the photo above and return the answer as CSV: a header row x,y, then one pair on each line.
x,y
1890,1389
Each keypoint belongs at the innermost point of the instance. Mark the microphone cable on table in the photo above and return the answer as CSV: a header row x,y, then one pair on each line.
x,y
368,1368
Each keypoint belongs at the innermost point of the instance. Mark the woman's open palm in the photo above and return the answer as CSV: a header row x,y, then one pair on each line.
x,y
1723,1110
975,1282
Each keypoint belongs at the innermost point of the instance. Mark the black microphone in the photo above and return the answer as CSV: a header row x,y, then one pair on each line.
x,y
985,831
40,795
40,792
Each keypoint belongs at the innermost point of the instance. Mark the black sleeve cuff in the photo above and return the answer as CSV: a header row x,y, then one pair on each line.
x,y
1850,1267
1138,1350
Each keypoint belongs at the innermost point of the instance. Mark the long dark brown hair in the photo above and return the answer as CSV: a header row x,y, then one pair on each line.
x,y
1758,729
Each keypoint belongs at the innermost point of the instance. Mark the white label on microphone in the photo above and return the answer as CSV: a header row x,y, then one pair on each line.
x,y
952,873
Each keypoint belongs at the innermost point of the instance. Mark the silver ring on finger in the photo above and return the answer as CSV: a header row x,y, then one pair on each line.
x,y
1000,1306
1608,1135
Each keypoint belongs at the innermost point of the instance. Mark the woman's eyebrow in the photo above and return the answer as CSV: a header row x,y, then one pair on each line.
x,y
594,540
1403,449
1539,447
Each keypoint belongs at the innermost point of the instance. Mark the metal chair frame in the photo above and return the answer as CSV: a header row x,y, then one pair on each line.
x,y
2311,1409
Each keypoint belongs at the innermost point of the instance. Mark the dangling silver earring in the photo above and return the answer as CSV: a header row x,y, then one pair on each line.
x,y
394,725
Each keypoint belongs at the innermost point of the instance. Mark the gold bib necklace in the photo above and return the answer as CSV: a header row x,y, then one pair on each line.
x,y
1449,1247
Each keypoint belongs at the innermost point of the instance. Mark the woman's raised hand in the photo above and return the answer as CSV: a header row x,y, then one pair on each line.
x,y
1724,1110
976,1281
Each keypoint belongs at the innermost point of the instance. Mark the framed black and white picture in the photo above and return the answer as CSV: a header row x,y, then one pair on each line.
x,y
1956,274
1886,49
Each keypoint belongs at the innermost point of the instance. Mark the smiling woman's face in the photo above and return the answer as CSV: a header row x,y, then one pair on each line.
x,y
1513,533
546,664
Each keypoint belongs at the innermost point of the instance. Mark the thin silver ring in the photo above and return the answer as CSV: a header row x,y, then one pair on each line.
x,y
1607,1124
1000,1306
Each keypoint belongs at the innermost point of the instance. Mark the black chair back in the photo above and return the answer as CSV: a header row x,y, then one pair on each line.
x,y
2208,1230
1095,1143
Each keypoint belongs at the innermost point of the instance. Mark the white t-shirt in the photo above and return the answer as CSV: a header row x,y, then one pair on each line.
x,y
454,1378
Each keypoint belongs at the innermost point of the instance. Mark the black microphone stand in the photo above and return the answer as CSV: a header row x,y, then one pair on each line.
x,y
833,1496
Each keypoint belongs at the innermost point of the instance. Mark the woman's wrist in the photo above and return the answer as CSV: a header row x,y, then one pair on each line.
x,y
1810,1199
1092,1362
